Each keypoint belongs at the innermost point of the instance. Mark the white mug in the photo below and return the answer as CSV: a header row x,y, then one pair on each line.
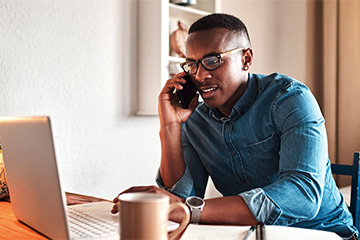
x,y
145,216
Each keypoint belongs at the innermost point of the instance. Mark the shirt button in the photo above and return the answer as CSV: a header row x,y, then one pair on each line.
x,y
233,153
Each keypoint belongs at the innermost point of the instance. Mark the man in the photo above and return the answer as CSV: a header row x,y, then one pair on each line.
x,y
261,139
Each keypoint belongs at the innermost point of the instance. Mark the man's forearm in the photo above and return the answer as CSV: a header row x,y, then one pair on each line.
x,y
172,161
227,210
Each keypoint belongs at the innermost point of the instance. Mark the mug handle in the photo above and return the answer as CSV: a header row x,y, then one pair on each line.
x,y
183,223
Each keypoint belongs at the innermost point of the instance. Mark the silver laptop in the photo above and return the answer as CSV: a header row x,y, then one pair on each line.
x,y
34,184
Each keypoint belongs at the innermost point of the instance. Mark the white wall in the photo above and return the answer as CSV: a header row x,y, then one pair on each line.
x,y
75,61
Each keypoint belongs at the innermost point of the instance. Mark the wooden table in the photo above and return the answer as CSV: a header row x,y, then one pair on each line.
x,y
11,228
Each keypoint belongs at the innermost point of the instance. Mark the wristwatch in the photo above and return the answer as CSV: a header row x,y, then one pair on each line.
x,y
196,206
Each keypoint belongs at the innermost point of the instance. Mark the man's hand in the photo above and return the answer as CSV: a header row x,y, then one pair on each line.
x,y
170,109
171,116
145,189
176,215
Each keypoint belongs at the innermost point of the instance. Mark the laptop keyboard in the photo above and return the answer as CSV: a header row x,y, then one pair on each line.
x,y
83,224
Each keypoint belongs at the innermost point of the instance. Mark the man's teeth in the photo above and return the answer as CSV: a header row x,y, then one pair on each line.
x,y
208,90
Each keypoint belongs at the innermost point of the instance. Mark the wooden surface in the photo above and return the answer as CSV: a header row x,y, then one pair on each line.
x,y
11,228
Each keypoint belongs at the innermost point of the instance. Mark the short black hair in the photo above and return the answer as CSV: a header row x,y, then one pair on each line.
x,y
220,20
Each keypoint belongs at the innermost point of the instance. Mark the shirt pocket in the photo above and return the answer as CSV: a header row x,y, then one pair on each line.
x,y
264,158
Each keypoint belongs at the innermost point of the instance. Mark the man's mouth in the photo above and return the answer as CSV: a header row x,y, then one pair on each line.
x,y
208,92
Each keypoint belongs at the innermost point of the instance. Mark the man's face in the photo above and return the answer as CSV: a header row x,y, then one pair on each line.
x,y
222,87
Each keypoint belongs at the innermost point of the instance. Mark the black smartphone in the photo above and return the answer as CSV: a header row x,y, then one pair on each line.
x,y
187,93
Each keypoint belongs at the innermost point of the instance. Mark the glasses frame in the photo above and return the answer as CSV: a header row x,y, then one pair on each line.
x,y
218,55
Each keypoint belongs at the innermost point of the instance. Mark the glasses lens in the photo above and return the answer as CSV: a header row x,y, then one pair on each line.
x,y
211,62
190,67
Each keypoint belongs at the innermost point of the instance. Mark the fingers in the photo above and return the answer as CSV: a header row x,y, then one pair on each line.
x,y
174,83
194,102
116,199
115,208
150,189
180,75
136,189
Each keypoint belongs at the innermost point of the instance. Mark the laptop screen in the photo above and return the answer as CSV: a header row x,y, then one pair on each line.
x,y
32,174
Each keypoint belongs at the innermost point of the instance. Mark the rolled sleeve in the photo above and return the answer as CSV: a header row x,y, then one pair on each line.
x,y
261,206
182,188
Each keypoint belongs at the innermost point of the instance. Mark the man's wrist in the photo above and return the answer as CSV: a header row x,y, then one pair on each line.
x,y
196,206
170,127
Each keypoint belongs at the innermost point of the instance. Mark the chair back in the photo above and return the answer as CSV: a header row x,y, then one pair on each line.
x,y
353,171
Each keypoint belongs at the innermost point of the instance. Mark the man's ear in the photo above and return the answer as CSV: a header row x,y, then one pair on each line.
x,y
247,58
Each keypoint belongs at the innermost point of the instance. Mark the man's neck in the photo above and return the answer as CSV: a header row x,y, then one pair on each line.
x,y
226,109
225,112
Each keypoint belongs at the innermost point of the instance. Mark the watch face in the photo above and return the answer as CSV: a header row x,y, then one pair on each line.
x,y
196,202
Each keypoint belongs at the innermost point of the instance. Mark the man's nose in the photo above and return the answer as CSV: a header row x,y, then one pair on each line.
x,y
202,74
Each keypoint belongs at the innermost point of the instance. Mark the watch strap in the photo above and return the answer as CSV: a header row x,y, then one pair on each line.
x,y
195,215
195,210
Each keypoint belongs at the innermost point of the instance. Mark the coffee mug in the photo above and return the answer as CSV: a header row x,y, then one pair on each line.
x,y
145,216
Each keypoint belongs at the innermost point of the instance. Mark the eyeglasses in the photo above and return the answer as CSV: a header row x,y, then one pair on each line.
x,y
209,62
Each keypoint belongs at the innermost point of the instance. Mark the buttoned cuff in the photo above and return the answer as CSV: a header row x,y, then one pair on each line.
x,y
182,188
261,206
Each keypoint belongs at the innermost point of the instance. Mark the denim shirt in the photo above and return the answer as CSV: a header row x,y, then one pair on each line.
x,y
272,151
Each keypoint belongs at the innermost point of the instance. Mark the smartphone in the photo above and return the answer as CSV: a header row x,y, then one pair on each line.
x,y
187,93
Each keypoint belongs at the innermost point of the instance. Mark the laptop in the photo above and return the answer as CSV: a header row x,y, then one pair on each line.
x,y
35,188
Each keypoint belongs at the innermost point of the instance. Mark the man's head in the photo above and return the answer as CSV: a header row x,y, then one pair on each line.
x,y
221,20
218,55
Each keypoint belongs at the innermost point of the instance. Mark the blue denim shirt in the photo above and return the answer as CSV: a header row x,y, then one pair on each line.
x,y
272,151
